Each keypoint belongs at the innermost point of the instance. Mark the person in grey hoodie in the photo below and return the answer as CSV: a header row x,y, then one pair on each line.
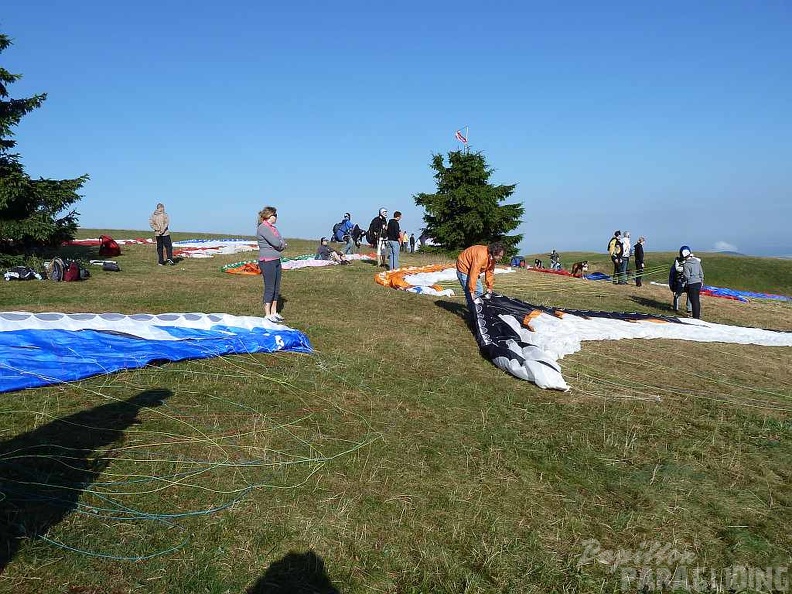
x,y
271,245
694,279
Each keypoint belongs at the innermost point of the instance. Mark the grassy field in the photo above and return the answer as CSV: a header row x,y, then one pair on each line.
x,y
395,458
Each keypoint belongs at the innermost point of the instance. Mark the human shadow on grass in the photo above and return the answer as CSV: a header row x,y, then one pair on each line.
x,y
458,309
654,303
282,303
296,573
44,471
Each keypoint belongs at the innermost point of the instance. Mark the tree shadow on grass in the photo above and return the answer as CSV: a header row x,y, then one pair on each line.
x,y
44,471
296,573
78,252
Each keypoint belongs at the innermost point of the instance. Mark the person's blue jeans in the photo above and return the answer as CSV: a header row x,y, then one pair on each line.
x,y
393,254
349,248
463,280
623,265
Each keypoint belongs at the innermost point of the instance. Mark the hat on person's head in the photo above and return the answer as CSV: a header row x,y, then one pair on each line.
x,y
383,211
684,252
323,239
617,233
347,215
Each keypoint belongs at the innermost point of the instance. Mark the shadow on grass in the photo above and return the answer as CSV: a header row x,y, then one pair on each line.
x,y
458,309
646,302
282,304
78,252
296,573
44,471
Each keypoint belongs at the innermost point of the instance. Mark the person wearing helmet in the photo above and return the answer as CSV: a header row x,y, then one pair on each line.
x,y
676,282
693,274
376,235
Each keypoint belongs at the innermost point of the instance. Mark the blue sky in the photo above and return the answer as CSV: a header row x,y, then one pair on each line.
x,y
671,119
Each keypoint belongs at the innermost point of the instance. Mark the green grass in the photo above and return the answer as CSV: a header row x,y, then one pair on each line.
x,y
397,454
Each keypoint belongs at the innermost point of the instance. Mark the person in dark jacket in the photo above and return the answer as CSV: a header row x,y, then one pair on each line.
x,y
676,282
394,241
376,234
325,252
615,252
639,261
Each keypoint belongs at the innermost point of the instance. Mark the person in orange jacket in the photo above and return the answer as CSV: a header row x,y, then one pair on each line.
x,y
471,263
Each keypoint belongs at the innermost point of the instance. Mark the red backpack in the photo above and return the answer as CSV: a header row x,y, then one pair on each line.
x,y
71,272
108,247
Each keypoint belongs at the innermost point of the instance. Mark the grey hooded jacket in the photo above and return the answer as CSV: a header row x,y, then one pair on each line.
x,y
693,271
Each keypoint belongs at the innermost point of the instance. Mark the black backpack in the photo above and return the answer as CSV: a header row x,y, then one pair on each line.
x,y
676,280
374,231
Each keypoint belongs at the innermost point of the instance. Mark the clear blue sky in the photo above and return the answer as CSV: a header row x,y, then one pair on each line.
x,y
667,119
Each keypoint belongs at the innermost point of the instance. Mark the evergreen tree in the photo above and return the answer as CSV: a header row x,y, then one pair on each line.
x,y
33,213
467,209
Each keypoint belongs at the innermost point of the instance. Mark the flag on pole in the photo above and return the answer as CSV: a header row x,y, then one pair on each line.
x,y
460,138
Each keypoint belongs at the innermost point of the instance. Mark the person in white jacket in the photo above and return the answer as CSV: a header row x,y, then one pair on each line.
x,y
625,260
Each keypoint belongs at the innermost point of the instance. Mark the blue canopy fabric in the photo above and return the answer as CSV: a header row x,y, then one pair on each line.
x,y
43,349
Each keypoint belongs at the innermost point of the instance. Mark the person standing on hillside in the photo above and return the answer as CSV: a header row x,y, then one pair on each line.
x,y
624,266
393,233
159,221
694,279
376,234
615,250
676,281
639,261
271,245
470,264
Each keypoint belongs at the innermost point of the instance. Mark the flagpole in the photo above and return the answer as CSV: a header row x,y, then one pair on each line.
x,y
467,138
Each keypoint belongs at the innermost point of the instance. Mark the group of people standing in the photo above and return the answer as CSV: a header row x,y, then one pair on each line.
x,y
621,250
386,237
686,275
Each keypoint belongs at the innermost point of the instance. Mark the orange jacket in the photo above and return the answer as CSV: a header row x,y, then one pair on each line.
x,y
473,261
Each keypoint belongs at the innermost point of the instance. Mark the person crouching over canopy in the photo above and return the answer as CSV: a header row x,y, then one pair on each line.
x,y
471,263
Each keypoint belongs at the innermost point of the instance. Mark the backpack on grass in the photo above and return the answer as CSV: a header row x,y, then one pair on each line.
x,y
68,271
71,272
108,247
56,269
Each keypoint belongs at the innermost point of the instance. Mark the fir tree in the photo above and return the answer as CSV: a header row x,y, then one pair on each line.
x,y
34,214
467,209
